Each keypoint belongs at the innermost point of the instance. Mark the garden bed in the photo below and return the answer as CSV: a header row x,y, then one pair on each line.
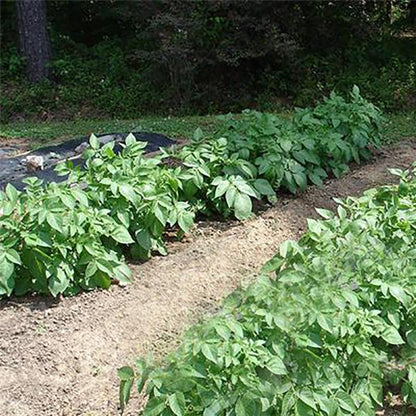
x,y
60,358
16,163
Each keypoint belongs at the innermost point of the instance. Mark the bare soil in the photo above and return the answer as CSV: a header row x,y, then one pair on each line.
x,y
60,358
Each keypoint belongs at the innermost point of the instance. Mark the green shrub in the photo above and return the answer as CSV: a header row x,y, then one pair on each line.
x,y
334,325
54,241
139,192
141,197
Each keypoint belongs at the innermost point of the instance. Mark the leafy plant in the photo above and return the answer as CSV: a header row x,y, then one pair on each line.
x,y
53,241
140,193
328,324
316,142
123,202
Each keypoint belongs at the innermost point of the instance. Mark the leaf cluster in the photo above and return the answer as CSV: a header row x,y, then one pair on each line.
x,y
291,153
73,236
329,323
53,240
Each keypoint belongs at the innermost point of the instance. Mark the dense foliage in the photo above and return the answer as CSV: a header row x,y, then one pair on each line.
x,y
52,241
128,58
330,322
62,238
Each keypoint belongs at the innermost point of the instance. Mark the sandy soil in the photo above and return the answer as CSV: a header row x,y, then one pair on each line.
x,y
61,358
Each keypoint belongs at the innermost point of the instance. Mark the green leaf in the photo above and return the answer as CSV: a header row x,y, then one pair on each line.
x,y
155,406
6,277
285,248
302,409
213,409
222,188
198,134
124,393
314,226
263,187
240,408
325,213
244,187
306,397
315,179
286,145
130,140
391,335
160,214
58,282
128,192
123,273
126,375
177,403
143,237
300,179
246,406
412,378
376,390
355,91
80,196
276,366
94,142
101,279
210,352
121,235
242,206
273,265
185,221
91,269
230,196
345,401
223,331
68,201
288,402
11,192
265,404
124,218
13,256
54,221
411,338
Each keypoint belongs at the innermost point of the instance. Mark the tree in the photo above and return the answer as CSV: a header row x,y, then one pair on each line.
x,y
34,39
412,12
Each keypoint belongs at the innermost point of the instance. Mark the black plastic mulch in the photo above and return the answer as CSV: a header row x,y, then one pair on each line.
x,y
13,171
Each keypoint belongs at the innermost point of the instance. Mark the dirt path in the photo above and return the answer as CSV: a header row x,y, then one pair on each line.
x,y
61,358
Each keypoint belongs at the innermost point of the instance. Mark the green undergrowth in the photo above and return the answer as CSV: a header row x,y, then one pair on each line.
x,y
328,327
400,126
63,238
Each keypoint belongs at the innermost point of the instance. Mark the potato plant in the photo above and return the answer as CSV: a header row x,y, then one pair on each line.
x,y
54,241
140,193
289,153
122,203
328,325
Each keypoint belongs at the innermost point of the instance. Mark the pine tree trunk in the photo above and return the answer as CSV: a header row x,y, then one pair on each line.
x,y
34,39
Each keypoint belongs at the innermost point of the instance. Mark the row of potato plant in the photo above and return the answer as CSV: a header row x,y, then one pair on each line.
x,y
329,324
76,234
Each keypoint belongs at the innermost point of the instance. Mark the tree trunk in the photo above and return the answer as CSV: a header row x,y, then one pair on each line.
x,y
34,39
412,12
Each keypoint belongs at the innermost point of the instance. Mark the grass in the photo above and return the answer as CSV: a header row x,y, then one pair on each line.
x,y
43,133
400,125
